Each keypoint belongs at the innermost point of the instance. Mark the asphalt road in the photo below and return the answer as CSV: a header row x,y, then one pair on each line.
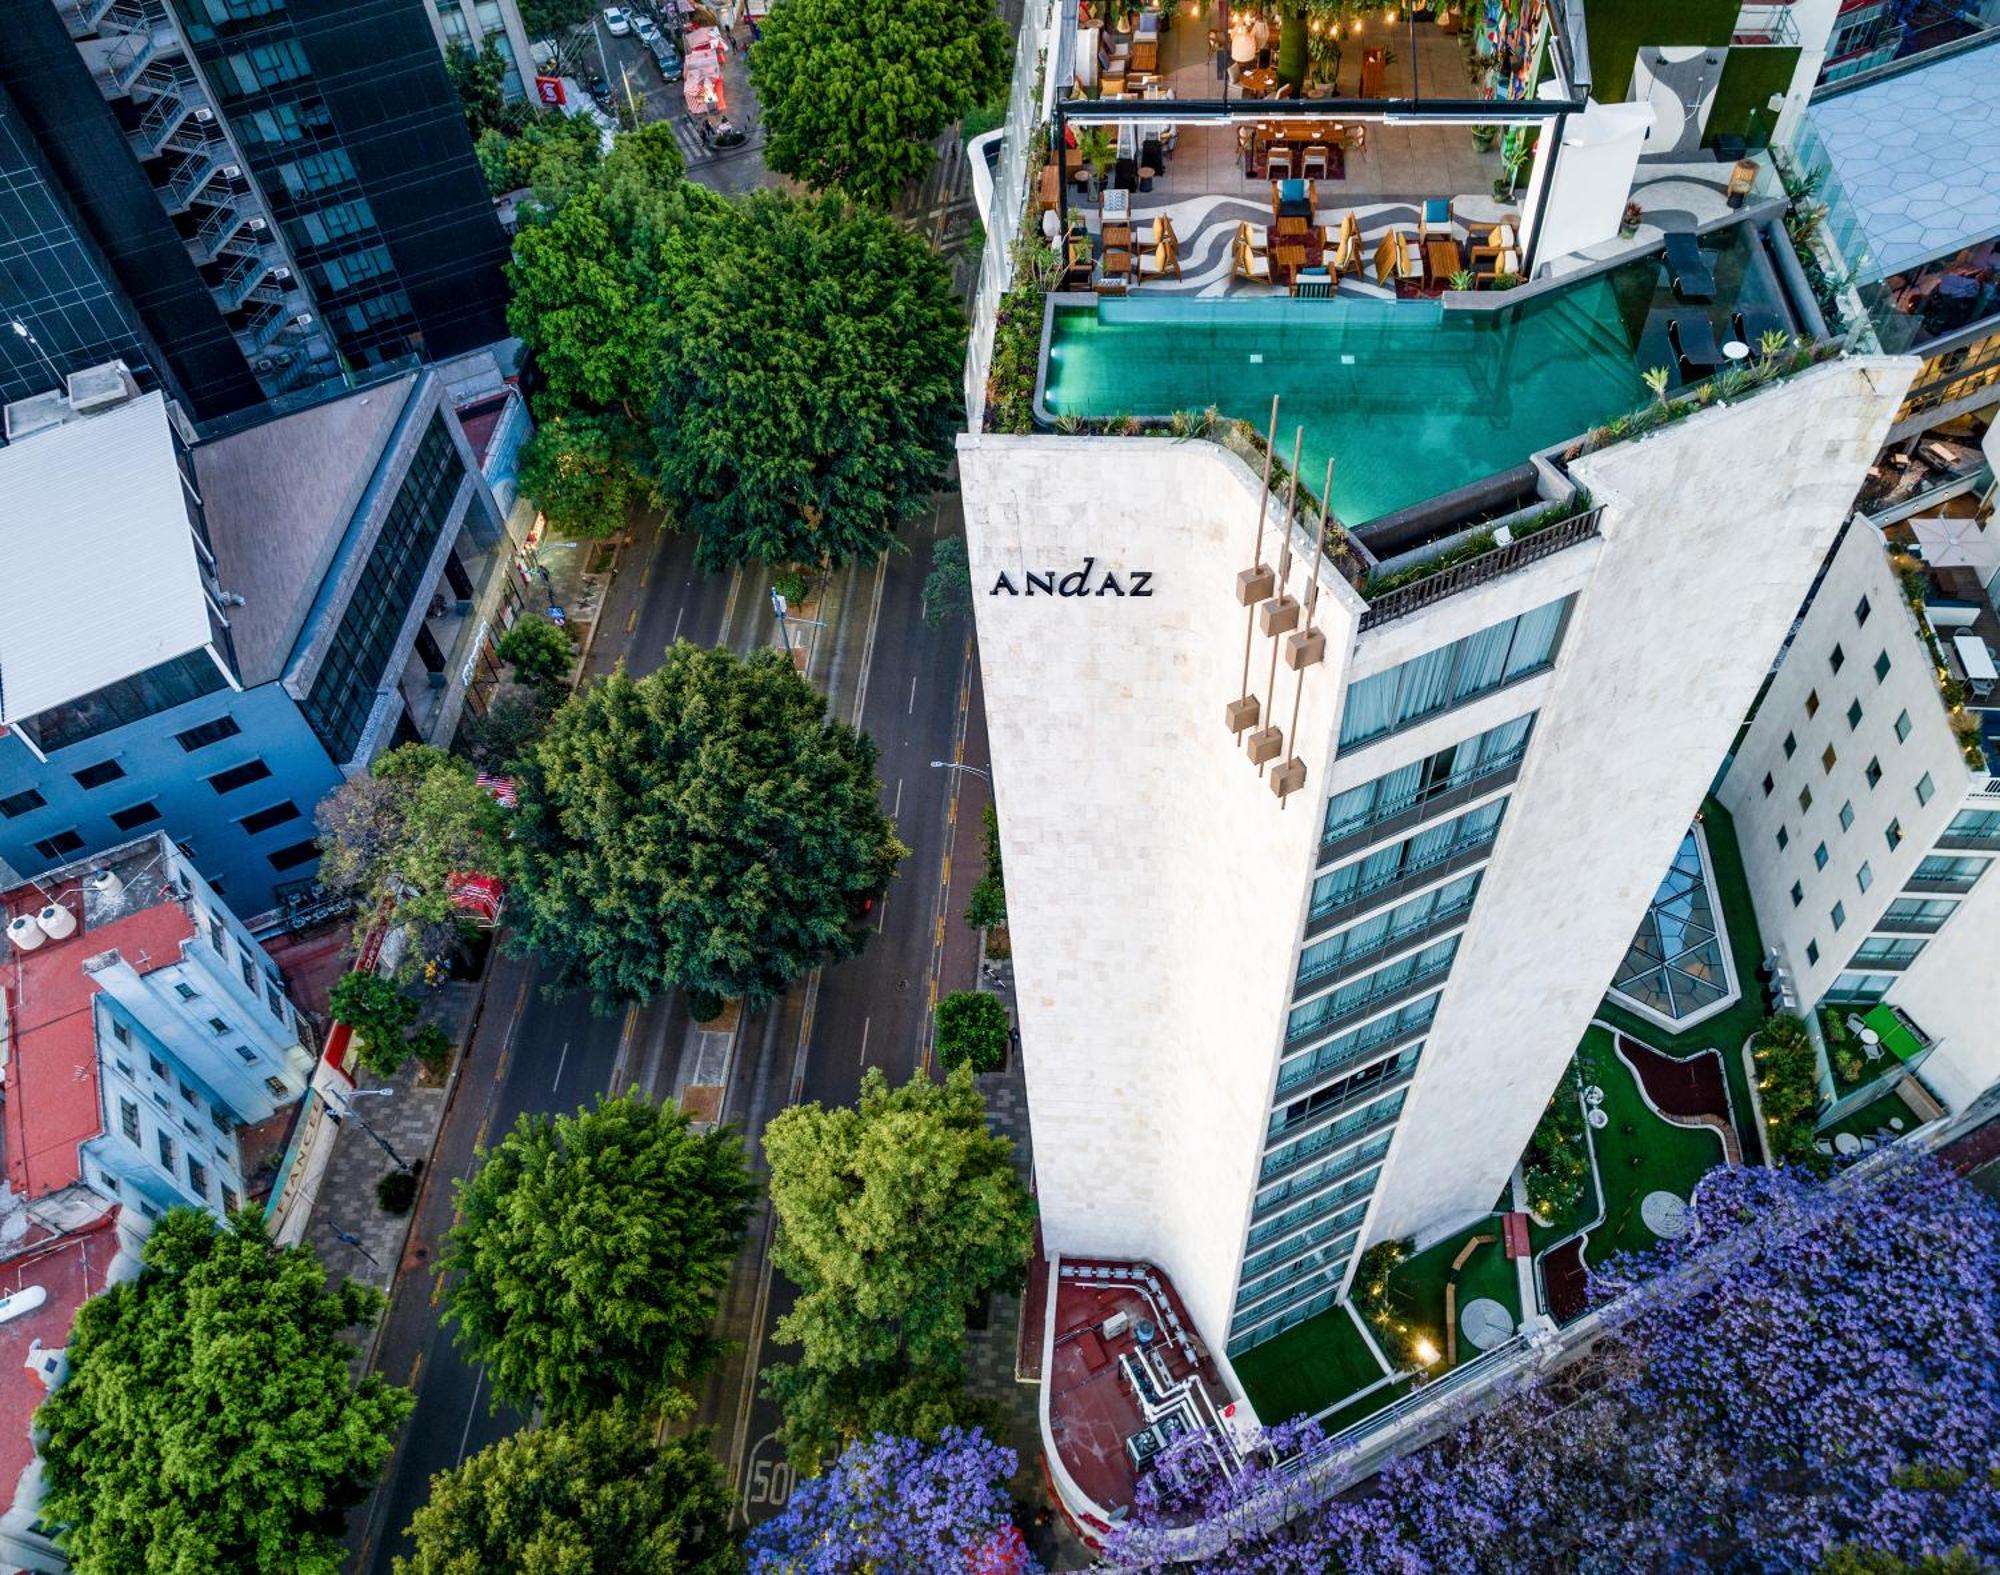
x,y
533,1051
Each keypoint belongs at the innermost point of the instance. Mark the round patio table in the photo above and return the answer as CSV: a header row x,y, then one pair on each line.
x,y
1665,1214
1846,1143
1485,1323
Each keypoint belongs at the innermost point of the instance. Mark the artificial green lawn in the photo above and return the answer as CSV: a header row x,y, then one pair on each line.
x,y
1727,1030
1670,1158
1620,28
1416,1289
1876,1113
1309,1367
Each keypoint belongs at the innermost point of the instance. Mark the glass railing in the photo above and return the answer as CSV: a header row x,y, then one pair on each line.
x,y
1330,1057
1403,874
1313,1144
1279,1291
1356,1187
1364,994
1421,924
1403,803
1304,1214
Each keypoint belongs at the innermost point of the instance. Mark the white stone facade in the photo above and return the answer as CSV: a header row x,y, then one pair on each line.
x,y
1158,891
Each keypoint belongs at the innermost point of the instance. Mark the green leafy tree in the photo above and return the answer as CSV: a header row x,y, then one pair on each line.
x,y
580,470
972,1029
589,1252
592,1497
551,157
986,906
382,1018
392,838
706,826
545,18
855,98
894,1219
211,1420
540,652
948,587
478,77
508,730
809,367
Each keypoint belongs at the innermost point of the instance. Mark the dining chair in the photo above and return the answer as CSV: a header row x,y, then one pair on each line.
x,y
1278,164
1316,161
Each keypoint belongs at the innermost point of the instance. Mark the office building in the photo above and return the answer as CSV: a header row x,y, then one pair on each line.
x,y
205,636
144,1026
476,24
1320,862
279,197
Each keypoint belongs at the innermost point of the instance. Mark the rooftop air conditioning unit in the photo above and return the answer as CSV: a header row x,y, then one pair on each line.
x,y
304,320
257,224
231,171
101,387
1115,1325
204,115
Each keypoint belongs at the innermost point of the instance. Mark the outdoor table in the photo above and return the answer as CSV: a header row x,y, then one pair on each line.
x,y
1846,1143
1443,256
1736,350
1258,83
1117,237
1117,264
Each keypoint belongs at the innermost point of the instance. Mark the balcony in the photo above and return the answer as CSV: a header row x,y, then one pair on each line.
x,y
1400,882
1766,25
1307,1216
1412,810
1342,1177
1896,926
1296,1077
1406,988
1501,561
1438,924
1301,1151
1969,842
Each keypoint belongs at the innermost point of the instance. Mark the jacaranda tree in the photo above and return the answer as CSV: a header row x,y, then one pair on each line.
x,y
1812,1376
891,1503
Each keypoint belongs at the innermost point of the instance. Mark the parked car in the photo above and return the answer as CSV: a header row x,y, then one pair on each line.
x,y
649,35
668,59
617,21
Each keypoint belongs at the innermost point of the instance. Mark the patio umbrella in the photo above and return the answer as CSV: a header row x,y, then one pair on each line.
x,y
1957,543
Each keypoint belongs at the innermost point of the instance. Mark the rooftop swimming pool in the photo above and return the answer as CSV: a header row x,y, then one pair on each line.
x,y
1410,400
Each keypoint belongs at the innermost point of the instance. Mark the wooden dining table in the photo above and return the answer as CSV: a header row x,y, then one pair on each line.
x,y
1297,135
1257,83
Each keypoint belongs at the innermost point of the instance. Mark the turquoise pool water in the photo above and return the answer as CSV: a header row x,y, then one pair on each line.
x,y
1409,399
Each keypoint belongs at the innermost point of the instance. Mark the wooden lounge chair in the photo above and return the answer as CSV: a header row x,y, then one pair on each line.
x,y
1434,221
1162,262
1396,260
1251,265
1249,237
1692,278
1154,230
1343,253
1694,345
1498,239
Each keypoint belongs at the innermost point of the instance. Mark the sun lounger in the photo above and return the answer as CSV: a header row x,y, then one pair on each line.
x,y
1753,322
1694,343
1689,270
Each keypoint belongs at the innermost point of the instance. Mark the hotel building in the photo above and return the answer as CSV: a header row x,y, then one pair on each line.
x,y
1325,839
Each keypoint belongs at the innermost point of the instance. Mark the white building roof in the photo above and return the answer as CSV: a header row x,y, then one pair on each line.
x,y
99,579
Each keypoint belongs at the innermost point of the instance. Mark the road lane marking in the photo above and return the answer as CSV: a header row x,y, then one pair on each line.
x,y
632,620
866,1024
559,1066
896,808
912,711
882,913
868,646
677,624
465,1437
624,1048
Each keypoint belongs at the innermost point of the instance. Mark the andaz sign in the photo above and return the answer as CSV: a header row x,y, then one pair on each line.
x,y
1078,582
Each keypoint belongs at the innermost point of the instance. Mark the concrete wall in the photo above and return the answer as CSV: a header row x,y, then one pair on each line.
x,y
1953,992
1712,530
1859,568
1155,886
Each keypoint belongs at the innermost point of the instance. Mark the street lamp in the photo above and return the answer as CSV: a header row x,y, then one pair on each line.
x,y
953,765
381,1142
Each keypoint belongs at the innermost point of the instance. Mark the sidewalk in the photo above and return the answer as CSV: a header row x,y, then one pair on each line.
x,y
347,1227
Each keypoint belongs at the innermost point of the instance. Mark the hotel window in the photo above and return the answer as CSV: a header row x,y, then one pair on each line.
x,y
1453,674
1974,823
1919,912
1819,857
1407,859
1812,953
1838,659
265,819
1925,788
1805,799
1784,839
198,1178
1839,915
1862,610
1865,876
1416,784
1902,726
1798,894
157,1067
1827,759
1859,988
217,1026
1874,771
1847,814
1853,715
1768,784
249,972
245,1053
22,803
1812,705
1791,746
1381,931
1894,951
1893,835
183,989
134,816
277,1087
167,1150
1881,667
1959,873
96,776
292,857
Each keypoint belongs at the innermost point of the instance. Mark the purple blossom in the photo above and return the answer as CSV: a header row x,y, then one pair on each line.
x,y
1817,1366
892,1505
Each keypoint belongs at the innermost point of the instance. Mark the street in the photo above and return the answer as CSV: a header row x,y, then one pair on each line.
x,y
908,687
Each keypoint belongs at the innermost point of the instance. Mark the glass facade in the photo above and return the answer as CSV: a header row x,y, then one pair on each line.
x,y
356,665
1675,965
1318,1015
1453,674
1951,874
1408,858
1410,787
160,688
1380,932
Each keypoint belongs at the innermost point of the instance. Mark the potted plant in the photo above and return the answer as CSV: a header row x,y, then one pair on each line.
x,y
1483,138
1464,279
1628,225
1097,152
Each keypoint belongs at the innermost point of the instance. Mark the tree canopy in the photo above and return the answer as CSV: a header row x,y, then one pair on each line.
x,y
382,1017
210,1420
1808,1375
899,1504
592,1497
948,587
590,1250
392,837
894,1218
972,1030
539,651
854,99
706,826
805,423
